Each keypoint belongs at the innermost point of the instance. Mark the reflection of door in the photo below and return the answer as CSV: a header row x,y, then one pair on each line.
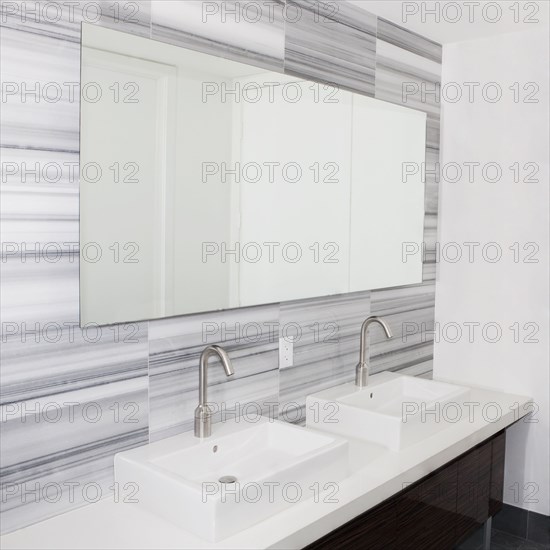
x,y
387,209
294,204
127,258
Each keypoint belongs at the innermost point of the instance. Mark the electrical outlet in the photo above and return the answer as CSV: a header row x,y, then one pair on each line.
x,y
286,353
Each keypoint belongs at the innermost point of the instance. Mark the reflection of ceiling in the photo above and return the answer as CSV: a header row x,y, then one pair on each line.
x,y
185,59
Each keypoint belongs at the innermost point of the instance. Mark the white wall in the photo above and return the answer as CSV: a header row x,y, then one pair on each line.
x,y
504,212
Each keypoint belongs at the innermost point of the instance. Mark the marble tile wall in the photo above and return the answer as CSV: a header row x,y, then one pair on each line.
x,y
253,36
71,398
334,44
249,335
324,334
408,67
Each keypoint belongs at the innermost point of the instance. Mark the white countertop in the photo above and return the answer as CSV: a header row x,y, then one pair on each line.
x,y
376,474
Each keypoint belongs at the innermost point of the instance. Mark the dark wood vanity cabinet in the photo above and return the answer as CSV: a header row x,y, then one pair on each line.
x,y
425,512
434,513
497,474
378,531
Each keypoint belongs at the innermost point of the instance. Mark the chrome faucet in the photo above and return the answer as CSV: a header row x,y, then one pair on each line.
x,y
362,369
203,415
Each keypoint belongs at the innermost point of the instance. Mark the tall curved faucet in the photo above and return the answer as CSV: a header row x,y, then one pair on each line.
x,y
203,415
363,367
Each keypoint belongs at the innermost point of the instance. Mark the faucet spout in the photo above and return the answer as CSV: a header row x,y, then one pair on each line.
x,y
363,367
203,414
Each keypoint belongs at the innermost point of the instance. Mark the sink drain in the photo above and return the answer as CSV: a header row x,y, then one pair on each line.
x,y
227,479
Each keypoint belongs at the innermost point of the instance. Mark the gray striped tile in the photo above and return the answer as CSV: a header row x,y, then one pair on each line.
x,y
430,243
63,20
326,347
429,271
80,397
410,312
409,41
408,72
36,293
409,80
250,336
41,111
41,214
248,32
334,43
431,197
412,81
51,358
131,17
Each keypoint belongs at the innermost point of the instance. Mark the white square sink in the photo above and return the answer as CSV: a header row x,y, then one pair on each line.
x,y
270,466
394,411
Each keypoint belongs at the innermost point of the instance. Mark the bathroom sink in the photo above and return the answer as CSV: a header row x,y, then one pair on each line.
x,y
394,411
244,473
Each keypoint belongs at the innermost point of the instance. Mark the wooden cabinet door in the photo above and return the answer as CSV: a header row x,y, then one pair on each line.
x,y
434,513
375,530
474,478
497,473
426,516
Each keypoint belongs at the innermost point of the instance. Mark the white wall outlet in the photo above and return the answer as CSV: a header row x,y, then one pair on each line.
x,y
286,353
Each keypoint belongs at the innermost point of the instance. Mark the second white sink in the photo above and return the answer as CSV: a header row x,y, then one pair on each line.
x,y
394,411
242,474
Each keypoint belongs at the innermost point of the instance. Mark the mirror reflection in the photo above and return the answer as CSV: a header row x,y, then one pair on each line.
x,y
209,184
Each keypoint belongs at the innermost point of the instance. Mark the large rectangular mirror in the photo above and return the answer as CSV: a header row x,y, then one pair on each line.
x,y
208,184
